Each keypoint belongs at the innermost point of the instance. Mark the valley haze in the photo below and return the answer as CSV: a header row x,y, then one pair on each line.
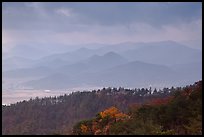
x,y
51,49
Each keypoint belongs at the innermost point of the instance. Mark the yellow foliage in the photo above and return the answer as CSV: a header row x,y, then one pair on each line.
x,y
84,128
112,111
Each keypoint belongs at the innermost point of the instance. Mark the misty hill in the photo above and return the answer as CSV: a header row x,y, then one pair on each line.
x,y
78,72
92,64
135,73
43,55
96,63
165,53
67,57
129,74
53,81
83,53
128,64
119,48
38,50
47,75
27,72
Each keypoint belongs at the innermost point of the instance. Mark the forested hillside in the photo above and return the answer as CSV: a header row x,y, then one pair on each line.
x,y
58,115
179,114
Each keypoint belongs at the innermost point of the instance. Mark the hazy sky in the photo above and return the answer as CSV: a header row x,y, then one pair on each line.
x,y
80,23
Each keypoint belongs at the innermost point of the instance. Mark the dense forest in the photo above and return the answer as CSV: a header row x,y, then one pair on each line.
x,y
180,114
117,110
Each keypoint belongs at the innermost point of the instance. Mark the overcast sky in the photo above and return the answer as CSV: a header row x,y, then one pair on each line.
x,y
82,23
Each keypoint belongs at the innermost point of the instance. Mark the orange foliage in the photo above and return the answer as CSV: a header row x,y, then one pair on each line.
x,y
84,128
109,112
121,116
113,112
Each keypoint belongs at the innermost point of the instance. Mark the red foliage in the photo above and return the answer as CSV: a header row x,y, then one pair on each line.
x,y
159,101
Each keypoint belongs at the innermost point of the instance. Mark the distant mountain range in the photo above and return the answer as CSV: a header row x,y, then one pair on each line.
x,y
165,53
127,64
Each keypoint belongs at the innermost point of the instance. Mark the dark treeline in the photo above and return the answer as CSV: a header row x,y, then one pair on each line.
x,y
58,115
178,114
